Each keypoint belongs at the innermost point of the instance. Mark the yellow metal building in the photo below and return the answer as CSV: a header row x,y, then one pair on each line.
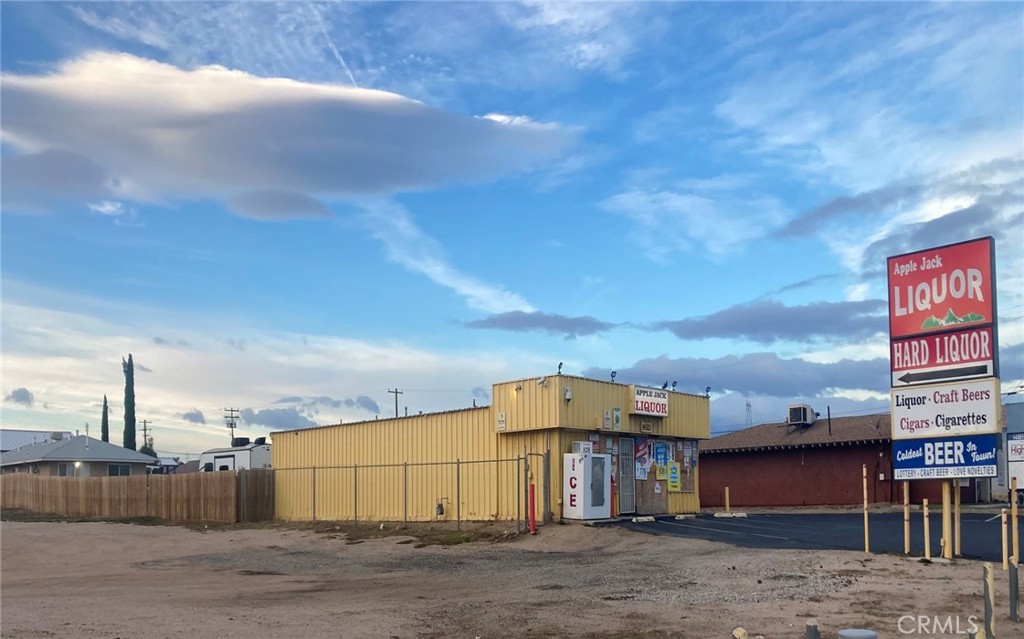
x,y
477,463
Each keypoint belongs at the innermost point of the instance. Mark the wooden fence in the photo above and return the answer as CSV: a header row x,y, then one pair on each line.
x,y
247,495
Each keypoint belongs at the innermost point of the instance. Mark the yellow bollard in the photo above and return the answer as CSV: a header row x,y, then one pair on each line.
x,y
1002,526
727,499
906,518
927,535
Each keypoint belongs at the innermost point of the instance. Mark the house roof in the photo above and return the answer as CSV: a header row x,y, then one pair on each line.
x,y
74,449
191,466
11,438
844,431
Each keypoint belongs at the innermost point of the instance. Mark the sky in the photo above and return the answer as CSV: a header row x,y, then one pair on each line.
x,y
293,208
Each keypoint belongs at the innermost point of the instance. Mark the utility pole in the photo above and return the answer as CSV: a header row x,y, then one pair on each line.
x,y
231,418
145,430
396,393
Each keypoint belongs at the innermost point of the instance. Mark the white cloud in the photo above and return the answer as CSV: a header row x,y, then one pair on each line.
x,y
408,245
124,127
865,124
72,358
664,222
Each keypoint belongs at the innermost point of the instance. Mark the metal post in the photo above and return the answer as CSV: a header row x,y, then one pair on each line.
x,y
405,492
1013,518
314,493
727,499
990,622
864,475
519,496
927,534
906,518
547,487
956,518
355,493
947,519
1014,592
458,494
526,482
1002,526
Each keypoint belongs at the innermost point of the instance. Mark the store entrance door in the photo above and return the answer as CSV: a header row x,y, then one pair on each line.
x,y
627,479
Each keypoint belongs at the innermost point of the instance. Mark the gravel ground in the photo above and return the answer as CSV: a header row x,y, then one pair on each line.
x,y
116,580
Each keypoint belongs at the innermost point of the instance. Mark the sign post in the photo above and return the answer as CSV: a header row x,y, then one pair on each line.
x,y
944,369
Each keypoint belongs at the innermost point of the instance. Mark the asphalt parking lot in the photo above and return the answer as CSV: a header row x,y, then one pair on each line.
x,y
980,534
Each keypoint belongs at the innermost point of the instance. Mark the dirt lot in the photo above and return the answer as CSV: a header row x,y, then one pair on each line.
x,y
109,580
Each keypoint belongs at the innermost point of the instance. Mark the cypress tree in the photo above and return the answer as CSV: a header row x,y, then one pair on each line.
x,y
129,402
105,424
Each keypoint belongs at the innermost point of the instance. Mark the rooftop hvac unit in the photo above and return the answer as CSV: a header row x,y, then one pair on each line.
x,y
801,415
583,447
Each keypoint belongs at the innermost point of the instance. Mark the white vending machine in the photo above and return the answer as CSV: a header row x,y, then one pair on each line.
x,y
587,486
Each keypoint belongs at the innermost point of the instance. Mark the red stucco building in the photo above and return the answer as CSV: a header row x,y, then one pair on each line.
x,y
813,464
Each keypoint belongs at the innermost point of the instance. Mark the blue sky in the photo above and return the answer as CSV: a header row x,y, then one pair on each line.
x,y
292,208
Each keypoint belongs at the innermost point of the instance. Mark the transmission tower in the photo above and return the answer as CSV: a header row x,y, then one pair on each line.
x,y
750,416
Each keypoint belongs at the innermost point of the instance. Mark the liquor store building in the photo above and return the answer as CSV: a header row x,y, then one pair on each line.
x,y
479,463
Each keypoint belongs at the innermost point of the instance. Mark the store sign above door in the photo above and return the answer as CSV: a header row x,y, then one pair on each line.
x,y
650,401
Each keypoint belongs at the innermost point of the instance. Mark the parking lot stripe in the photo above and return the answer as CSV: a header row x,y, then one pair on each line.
x,y
731,532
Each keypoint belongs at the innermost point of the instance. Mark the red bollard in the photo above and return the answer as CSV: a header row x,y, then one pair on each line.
x,y
533,510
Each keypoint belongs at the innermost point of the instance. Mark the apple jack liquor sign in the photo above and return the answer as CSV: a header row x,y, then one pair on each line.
x,y
943,342
942,310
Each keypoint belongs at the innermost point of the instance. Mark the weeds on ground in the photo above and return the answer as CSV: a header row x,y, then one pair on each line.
x,y
425,533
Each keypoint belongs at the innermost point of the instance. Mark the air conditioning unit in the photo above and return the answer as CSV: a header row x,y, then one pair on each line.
x,y
583,447
801,415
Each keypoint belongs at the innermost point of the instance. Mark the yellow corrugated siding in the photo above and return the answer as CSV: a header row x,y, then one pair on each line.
x,y
533,406
537,419
538,406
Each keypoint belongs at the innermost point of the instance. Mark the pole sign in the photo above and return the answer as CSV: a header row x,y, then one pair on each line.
x,y
943,288
946,457
940,357
944,361
946,410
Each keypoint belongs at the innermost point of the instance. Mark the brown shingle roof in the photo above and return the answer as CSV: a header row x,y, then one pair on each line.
x,y
844,431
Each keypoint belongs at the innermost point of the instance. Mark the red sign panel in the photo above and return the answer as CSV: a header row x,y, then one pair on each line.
x,y
942,289
970,346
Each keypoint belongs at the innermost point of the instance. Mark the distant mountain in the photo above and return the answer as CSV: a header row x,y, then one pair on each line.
x,y
951,319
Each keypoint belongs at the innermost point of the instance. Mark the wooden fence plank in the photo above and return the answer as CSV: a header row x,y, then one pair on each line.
x,y
188,497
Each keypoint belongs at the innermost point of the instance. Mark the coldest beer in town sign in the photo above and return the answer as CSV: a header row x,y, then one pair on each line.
x,y
945,458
